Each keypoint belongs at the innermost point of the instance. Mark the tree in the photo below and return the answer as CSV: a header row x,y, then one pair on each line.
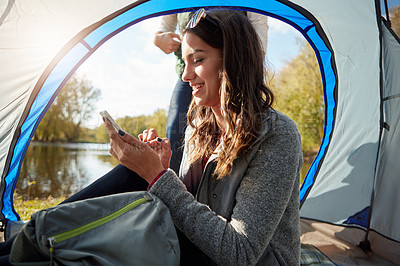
x,y
159,122
395,19
78,105
298,90
73,105
136,125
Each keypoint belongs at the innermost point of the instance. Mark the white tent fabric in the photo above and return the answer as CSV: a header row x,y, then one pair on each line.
x,y
385,218
353,182
356,132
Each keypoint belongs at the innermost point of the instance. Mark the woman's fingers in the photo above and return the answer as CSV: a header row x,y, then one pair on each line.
x,y
168,42
152,134
134,154
109,127
166,153
163,149
148,135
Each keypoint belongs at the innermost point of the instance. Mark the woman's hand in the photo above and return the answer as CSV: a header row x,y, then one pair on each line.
x,y
161,146
134,154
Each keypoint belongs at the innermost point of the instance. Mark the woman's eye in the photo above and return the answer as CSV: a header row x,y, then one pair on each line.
x,y
195,61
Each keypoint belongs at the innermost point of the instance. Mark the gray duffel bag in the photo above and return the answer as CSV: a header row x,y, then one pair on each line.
x,y
132,228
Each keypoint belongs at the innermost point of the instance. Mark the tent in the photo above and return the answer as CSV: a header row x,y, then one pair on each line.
x,y
351,191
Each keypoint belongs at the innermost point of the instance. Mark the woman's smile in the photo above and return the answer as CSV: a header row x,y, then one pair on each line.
x,y
196,89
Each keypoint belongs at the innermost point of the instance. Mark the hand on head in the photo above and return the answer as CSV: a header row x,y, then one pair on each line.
x,y
168,42
145,159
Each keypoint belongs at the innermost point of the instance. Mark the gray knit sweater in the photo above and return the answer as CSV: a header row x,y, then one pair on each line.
x,y
266,209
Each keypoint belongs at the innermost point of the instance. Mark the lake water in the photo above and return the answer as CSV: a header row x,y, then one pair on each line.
x,y
63,169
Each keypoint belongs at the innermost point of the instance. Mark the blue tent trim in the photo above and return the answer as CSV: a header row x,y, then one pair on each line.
x,y
90,39
360,218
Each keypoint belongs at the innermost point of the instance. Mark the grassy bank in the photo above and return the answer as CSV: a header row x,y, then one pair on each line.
x,y
25,208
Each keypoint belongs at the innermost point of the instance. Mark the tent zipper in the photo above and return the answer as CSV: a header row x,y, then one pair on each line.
x,y
84,228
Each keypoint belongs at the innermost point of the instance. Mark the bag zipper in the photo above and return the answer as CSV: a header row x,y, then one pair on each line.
x,y
84,228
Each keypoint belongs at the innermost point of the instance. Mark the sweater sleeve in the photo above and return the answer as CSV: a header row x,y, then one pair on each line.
x,y
260,24
262,200
168,23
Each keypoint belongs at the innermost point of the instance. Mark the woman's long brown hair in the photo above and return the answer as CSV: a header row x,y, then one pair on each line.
x,y
244,94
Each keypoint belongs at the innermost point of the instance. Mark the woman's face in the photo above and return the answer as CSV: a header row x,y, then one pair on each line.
x,y
203,64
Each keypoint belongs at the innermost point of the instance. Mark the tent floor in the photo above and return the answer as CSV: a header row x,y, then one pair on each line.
x,y
340,244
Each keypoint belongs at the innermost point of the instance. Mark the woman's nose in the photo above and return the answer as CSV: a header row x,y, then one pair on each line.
x,y
187,74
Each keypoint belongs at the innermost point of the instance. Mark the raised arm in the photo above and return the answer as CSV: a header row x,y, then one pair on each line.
x,y
165,37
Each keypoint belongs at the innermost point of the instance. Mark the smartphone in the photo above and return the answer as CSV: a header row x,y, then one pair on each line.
x,y
106,115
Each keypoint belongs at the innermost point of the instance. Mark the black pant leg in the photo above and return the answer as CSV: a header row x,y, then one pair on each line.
x,y
118,180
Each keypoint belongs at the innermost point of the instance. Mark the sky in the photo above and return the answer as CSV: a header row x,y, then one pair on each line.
x,y
136,78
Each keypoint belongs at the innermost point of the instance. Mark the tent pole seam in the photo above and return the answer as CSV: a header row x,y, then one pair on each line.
x,y
365,244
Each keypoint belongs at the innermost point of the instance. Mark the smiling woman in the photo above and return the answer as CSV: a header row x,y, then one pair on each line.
x,y
242,159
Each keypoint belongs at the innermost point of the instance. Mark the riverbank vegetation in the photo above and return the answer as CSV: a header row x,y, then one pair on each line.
x,y
299,94
75,105
71,108
26,208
